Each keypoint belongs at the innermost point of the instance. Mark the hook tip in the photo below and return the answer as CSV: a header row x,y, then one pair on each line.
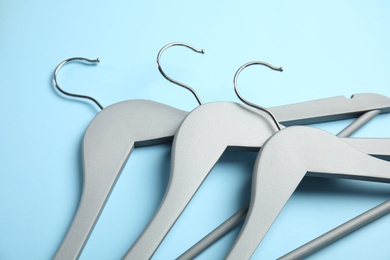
x,y
281,69
97,59
202,51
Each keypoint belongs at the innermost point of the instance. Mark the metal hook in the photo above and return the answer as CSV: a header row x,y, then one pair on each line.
x,y
172,80
250,103
70,94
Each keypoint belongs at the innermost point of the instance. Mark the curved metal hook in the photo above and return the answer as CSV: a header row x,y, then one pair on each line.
x,y
250,103
172,80
70,94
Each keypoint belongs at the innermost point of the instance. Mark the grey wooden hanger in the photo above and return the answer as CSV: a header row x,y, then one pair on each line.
x,y
281,164
107,144
378,147
319,153
202,138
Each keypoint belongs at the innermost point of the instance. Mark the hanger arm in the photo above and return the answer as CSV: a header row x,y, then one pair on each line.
x,y
107,143
330,109
280,166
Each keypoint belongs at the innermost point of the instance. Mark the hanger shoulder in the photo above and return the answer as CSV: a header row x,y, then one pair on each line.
x,y
107,144
200,141
280,166
330,109
141,120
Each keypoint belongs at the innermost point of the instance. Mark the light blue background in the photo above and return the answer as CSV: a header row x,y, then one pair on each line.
x,y
327,48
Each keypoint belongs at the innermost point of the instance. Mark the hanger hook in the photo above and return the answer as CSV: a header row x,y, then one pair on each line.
x,y
70,94
250,103
172,80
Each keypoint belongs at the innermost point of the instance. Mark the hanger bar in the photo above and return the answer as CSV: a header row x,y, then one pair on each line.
x,y
358,123
215,235
239,216
330,109
338,232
